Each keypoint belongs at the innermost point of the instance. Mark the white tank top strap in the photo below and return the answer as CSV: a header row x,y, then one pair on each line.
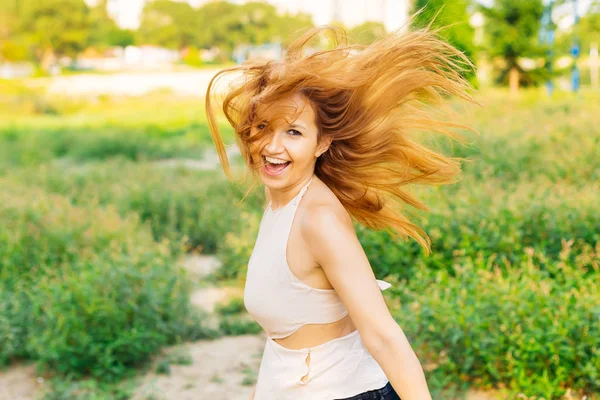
x,y
299,196
294,202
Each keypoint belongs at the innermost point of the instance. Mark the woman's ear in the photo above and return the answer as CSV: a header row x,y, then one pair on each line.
x,y
323,146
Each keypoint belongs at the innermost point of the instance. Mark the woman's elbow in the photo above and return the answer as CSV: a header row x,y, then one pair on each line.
x,y
384,337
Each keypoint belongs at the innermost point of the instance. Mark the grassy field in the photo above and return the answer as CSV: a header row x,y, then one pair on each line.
x,y
91,227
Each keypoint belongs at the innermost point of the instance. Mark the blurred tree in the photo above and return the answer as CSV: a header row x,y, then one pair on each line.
x,y
53,28
169,24
258,22
8,7
588,29
291,26
104,30
11,47
450,15
216,20
262,23
121,37
511,31
367,32
227,25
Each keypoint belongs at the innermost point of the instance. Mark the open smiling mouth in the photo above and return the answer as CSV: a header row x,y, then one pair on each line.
x,y
275,166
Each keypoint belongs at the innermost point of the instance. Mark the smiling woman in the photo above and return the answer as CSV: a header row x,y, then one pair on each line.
x,y
328,136
288,144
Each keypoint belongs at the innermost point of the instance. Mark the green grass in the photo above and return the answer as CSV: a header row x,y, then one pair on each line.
x,y
36,128
507,299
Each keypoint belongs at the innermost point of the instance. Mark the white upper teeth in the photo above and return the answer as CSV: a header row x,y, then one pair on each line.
x,y
275,160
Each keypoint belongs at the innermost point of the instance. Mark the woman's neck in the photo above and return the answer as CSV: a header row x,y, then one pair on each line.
x,y
281,198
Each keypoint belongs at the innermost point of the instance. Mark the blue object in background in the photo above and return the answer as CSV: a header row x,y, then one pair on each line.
x,y
546,36
575,78
575,75
575,50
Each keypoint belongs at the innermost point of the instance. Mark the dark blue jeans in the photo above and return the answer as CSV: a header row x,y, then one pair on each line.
x,y
385,393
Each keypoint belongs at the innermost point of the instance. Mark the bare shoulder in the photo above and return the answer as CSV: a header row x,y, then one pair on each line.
x,y
323,213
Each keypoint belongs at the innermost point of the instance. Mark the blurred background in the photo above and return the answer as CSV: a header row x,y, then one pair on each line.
x,y
123,247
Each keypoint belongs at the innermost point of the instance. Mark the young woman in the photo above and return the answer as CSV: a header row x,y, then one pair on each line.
x,y
327,134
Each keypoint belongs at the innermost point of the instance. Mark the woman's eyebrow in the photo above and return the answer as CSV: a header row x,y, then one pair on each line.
x,y
297,126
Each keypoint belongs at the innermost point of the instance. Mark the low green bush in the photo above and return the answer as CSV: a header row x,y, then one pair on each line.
x,y
23,146
84,291
237,247
235,325
15,97
485,219
233,306
63,388
199,207
530,137
517,326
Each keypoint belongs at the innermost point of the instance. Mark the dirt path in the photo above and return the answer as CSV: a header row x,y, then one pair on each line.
x,y
223,369
19,382
209,160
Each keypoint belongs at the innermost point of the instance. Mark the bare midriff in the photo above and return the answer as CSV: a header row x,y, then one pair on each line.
x,y
311,335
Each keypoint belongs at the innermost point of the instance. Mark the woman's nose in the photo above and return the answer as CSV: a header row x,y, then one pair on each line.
x,y
273,143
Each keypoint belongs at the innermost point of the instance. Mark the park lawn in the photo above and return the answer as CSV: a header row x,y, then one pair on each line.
x,y
508,299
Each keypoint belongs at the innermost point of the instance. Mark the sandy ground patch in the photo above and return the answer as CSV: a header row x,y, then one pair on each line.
x,y
20,382
200,265
208,161
222,369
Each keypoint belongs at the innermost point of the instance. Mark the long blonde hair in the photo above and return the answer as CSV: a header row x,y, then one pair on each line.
x,y
366,99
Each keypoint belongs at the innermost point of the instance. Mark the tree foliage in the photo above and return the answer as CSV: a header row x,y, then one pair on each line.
x,y
54,27
104,30
46,29
367,32
169,24
11,47
453,17
216,24
588,29
512,29
226,25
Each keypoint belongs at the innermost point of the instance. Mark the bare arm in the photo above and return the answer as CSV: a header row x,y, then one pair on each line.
x,y
332,241
253,393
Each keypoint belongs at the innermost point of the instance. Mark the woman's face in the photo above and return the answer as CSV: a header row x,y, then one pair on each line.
x,y
288,152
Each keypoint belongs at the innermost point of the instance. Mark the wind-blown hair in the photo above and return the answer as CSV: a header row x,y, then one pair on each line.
x,y
367,99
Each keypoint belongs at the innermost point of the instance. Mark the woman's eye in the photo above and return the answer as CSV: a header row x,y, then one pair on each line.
x,y
260,126
295,132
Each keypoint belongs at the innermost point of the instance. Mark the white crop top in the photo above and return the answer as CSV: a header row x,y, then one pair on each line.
x,y
281,303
